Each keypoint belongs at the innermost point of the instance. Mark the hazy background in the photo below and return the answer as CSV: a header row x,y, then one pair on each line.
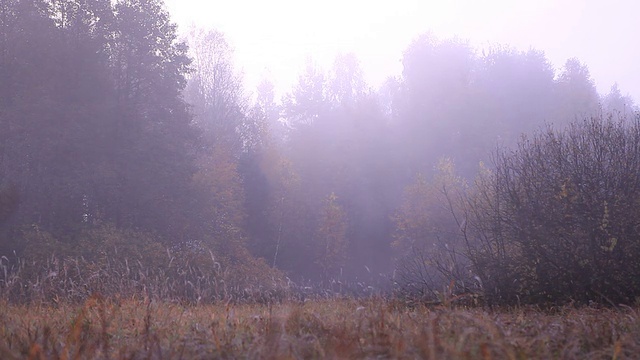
x,y
273,39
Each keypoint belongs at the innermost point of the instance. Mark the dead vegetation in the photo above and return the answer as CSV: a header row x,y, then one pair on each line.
x,y
372,328
145,317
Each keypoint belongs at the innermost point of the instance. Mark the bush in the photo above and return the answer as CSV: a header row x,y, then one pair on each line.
x,y
557,221
431,261
131,264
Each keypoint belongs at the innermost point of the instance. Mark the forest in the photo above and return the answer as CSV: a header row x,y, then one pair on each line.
x,y
120,141
485,199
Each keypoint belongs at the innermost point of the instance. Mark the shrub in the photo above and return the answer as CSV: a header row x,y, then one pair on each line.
x,y
131,264
557,220
431,261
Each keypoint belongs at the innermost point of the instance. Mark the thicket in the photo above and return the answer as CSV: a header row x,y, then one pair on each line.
x,y
557,220
113,263
553,222
429,244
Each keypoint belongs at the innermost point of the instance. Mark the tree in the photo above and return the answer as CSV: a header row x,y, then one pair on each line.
x,y
332,239
101,145
391,97
221,203
576,93
615,103
340,145
308,100
215,89
149,156
96,129
436,82
49,110
517,90
429,237
227,179
346,84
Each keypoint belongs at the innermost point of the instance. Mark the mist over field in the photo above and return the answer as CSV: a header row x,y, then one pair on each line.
x,y
346,163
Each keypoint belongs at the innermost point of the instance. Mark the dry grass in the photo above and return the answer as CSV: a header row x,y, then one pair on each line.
x,y
181,312
143,329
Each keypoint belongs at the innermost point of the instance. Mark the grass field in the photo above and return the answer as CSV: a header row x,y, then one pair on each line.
x,y
332,329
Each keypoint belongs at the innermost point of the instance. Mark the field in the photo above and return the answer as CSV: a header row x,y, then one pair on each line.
x,y
334,329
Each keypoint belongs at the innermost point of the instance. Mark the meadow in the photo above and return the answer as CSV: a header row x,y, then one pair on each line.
x,y
373,328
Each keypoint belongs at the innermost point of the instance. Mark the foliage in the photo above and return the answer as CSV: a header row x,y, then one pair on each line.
x,y
119,141
555,221
340,145
456,102
286,216
129,264
214,89
97,137
431,261
332,239
93,127
231,135
618,105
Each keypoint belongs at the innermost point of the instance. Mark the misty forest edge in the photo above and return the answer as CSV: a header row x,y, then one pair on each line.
x,y
133,163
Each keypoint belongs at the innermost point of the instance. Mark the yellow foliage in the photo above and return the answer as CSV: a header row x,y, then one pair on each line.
x,y
425,214
219,175
332,236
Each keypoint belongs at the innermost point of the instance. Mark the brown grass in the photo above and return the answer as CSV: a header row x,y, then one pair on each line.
x,y
338,329
182,312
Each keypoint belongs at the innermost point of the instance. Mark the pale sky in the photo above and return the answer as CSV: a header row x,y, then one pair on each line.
x,y
273,38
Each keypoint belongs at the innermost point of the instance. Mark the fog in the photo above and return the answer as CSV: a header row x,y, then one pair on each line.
x,y
258,143
275,38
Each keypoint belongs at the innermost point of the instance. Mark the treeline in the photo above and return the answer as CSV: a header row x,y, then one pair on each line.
x,y
350,151
118,139
100,148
